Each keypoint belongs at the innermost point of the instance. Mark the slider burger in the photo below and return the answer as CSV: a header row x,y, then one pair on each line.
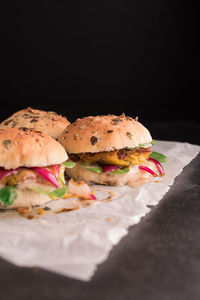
x,y
32,166
48,122
111,150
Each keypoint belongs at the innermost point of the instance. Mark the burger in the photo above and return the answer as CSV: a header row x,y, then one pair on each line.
x,y
32,166
48,122
111,150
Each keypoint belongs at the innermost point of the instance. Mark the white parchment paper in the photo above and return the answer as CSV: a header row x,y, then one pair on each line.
x,y
74,243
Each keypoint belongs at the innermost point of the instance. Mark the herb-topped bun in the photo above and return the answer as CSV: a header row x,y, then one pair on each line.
x,y
104,133
48,122
31,168
109,150
24,147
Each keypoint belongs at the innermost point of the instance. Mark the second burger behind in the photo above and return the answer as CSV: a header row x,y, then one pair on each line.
x,y
111,150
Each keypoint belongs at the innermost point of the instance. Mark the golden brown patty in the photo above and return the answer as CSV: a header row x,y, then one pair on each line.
x,y
121,157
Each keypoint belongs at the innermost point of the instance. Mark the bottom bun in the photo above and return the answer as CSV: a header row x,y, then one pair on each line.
x,y
27,197
134,178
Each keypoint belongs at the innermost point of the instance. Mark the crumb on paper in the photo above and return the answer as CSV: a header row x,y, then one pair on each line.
x,y
24,210
109,219
35,270
62,210
30,217
40,211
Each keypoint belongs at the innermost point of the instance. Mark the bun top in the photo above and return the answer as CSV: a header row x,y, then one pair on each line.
x,y
24,147
104,133
48,122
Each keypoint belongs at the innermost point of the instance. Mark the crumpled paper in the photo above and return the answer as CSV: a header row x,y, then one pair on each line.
x,y
74,243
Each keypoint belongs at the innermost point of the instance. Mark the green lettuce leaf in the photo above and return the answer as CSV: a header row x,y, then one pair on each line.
x,y
92,168
69,164
55,194
161,158
146,145
99,169
61,180
120,171
8,195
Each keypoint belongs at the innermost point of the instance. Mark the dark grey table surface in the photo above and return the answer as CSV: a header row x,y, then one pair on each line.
x,y
159,259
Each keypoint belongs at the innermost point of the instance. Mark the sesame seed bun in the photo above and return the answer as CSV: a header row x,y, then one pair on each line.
x,y
104,133
24,147
48,122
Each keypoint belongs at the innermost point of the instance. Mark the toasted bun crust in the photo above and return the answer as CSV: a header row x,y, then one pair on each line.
x,y
24,147
46,121
135,177
104,133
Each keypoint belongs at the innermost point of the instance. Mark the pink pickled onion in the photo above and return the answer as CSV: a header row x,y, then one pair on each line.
x,y
109,168
57,170
46,174
144,168
4,173
158,165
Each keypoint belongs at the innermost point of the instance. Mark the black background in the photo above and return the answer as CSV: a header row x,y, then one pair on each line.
x,y
89,57
93,57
